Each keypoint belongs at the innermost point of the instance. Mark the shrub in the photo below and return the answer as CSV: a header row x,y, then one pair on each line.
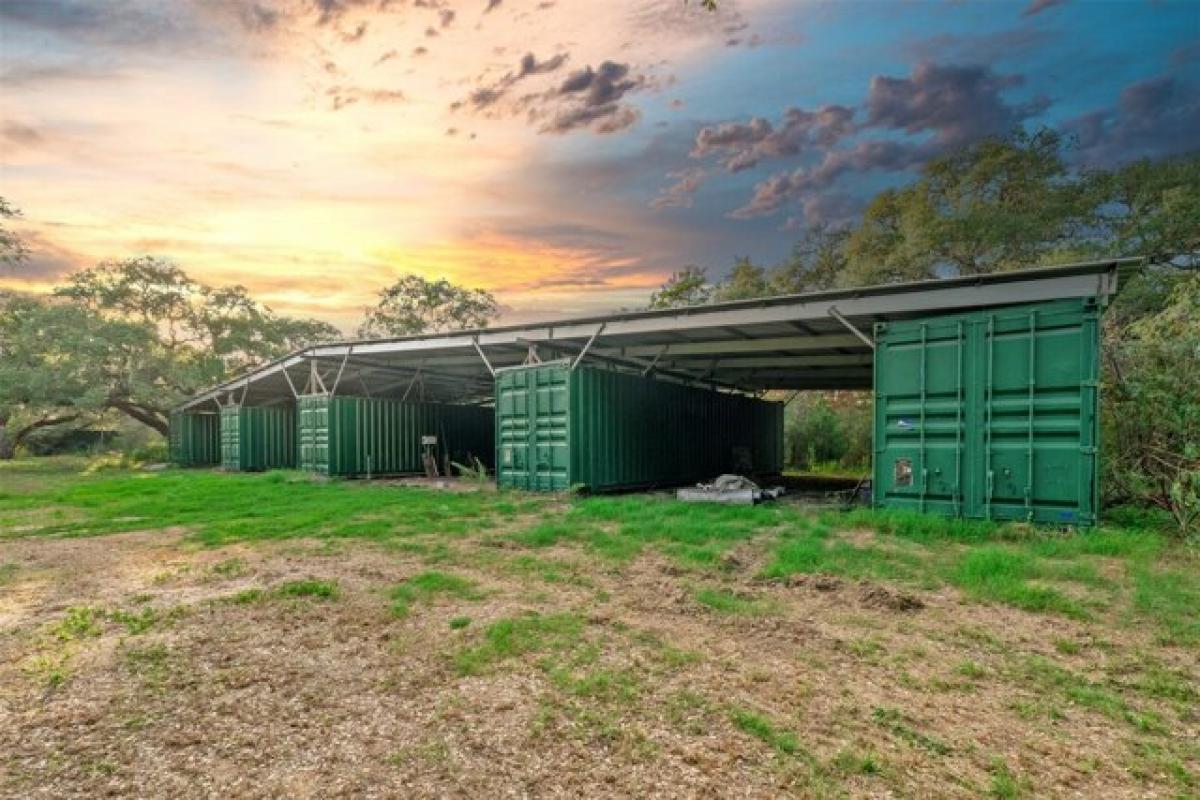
x,y
1152,406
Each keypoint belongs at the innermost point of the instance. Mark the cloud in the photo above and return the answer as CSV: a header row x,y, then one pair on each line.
x,y
18,136
1154,118
528,66
23,74
1038,6
355,35
1186,53
446,17
827,208
118,23
343,96
591,98
48,260
741,145
982,48
942,106
680,194
959,104
779,190
331,10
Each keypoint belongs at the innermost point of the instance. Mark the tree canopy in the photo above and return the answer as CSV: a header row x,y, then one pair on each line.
x,y
1000,204
12,249
133,336
414,305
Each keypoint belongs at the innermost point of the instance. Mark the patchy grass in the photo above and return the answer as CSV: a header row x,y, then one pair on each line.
x,y
429,585
516,636
619,528
903,727
230,568
760,727
1002,575
135,622
80,622
730,602
1006,785
608,637
323,590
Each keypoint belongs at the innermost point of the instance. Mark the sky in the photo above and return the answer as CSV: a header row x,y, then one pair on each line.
x,y
566,155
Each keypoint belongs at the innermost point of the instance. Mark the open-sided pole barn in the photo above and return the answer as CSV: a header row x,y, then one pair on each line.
x,y
986,387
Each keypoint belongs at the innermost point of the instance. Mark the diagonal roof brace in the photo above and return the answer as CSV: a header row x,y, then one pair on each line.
x,y
833,312
587,346
478,349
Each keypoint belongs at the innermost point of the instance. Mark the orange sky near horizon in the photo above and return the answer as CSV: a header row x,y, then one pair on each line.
x,y
567,155
315,162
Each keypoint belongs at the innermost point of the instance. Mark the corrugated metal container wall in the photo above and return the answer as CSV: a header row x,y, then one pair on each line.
x,y
606,430
346,435
255,438
991,415
195,438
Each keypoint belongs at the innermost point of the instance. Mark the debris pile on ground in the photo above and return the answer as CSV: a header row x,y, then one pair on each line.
x,y
730,489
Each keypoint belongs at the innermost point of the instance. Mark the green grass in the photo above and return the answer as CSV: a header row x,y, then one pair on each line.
x,y
136,622
1133,575
760,727
1006,785
517,636
220,508
1171,598
728,602
812,549
619,528
900,725
427,586
1004,575
230,568
851,762
80,622
1050,679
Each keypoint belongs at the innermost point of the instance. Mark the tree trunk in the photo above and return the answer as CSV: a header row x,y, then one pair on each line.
x,y
7,450
9,445
151,418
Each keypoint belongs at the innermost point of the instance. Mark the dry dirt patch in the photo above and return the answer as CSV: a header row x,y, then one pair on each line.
x,y
236,690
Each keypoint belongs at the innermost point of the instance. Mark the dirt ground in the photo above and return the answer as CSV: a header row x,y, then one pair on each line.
x,y
184,682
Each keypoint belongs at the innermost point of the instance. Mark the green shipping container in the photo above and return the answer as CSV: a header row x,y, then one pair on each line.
x,y
195,438
255,438
991,415
345,435
557,428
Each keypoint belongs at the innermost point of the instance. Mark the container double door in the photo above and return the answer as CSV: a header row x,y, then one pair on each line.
x,y
533,429
991,415
312,433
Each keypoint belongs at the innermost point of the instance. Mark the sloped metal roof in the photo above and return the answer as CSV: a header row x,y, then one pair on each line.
x,y
817,340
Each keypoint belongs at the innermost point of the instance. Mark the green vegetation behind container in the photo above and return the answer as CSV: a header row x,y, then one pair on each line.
x,y
195,438
346,435
604,430
992,414
256,438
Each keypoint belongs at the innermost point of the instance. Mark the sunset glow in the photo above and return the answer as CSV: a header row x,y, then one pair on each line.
x,y
551,152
